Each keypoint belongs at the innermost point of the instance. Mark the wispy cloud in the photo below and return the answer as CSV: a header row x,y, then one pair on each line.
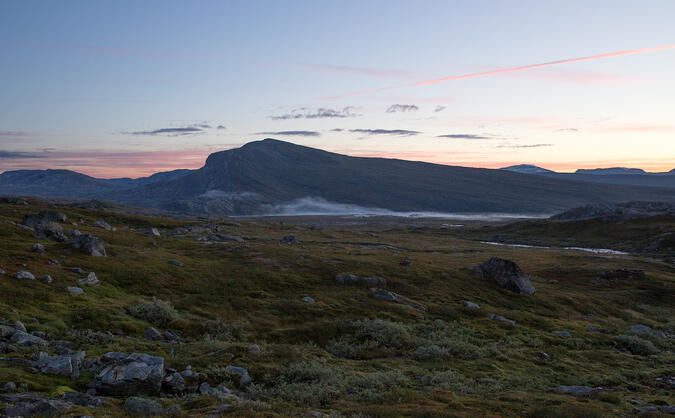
x,y
220,127
12,133
524,146
394,132
506,70
567,130
320,113
17,155
365,71
464,136
189,130
439,108
291,133
397,108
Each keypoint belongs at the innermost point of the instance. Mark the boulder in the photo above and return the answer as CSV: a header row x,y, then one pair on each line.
x,y
383,294
150,231
346,278
46,279
45,224
152,334
90,280
6,331
38,248
308,299
176,263
562,334
74,233
77,270
27,340
471,305
500,318
241,373
543,356
20,326
174,383
22,274
102,224
83,399
76,290
37,407
129,374
289,239
142,406
640,328
581,391
63,365
88,244
507,275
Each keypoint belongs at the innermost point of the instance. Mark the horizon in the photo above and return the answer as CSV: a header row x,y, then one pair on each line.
x,y
117,90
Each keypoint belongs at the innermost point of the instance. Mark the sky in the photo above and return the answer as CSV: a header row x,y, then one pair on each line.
x,y
128,88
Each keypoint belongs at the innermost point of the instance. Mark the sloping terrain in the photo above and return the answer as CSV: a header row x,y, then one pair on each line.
x,y
263,295
260,175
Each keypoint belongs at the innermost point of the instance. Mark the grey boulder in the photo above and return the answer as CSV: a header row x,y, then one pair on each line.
x,y
129,374
142,406
88,244
22,274
507,275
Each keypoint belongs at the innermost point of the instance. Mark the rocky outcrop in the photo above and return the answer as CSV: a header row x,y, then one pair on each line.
x,y
507,275
88,244
46,225
618,212
129,374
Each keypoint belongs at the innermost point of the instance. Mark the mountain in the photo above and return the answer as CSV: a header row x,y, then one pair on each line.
x,y
527,169
53,183
270,176
129,183
612,170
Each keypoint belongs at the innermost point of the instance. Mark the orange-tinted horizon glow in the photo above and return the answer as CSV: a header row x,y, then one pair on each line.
x,y
506,70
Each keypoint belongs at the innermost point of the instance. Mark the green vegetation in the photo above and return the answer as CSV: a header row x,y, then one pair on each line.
x,y
348,352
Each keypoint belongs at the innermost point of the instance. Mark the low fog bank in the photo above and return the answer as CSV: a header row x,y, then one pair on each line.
x,y
315,206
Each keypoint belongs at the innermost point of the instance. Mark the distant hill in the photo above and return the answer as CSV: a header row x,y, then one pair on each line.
x,y
263,176
130,183
612,170
527,169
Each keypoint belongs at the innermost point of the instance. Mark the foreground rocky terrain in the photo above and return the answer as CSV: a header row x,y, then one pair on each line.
x,y
109,314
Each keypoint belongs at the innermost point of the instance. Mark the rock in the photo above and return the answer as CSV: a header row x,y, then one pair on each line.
x,y
45,224
77,270
640,328
170,336
150,231
241,372
46,278
102,224
2,271
38,248
37,407
346,278
27,340
562,334
383,294
507,275
289,239
9,387
20,326
6,331
22,274
63,365
405,263
76,290
176,263
618,212
74,233
582,391
83,399
174,383
129,374
254,349
152,334
307,299
90,280
373,281
500,318
88,244
142,406
645,409
471,305
544,356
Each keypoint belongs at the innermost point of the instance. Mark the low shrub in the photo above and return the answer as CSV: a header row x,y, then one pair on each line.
x,y
156,312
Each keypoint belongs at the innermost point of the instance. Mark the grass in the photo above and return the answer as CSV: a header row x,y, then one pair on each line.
x,y
349,352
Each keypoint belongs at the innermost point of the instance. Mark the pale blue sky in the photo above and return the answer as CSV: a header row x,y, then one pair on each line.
x,y
83,83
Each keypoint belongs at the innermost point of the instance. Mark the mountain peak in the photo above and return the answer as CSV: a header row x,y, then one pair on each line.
x,y
527,169
611,170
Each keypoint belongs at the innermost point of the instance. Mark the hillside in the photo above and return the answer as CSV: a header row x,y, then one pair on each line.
x,y
231,295
261,175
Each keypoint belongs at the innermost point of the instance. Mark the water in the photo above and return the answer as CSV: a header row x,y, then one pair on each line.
x,y
588,250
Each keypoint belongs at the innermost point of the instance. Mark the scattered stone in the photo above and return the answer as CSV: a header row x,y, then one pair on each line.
x,y
142,406
383,294
174,383
63,365
562,334
6,331
507,275
289,239
152,334
22,274
76,290
373,281
38,248
89,244
346,278
45,279
150,231
36,406
254,349
241,372
20,326
471,305
640,328
405,263
83,399
25,339
500,318
129,374
543,356
307,299
77,270
74,233
176,263
102,224
90,280
9,387
580,391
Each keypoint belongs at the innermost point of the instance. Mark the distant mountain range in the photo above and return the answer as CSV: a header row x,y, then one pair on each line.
x,y
613,175
271,176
